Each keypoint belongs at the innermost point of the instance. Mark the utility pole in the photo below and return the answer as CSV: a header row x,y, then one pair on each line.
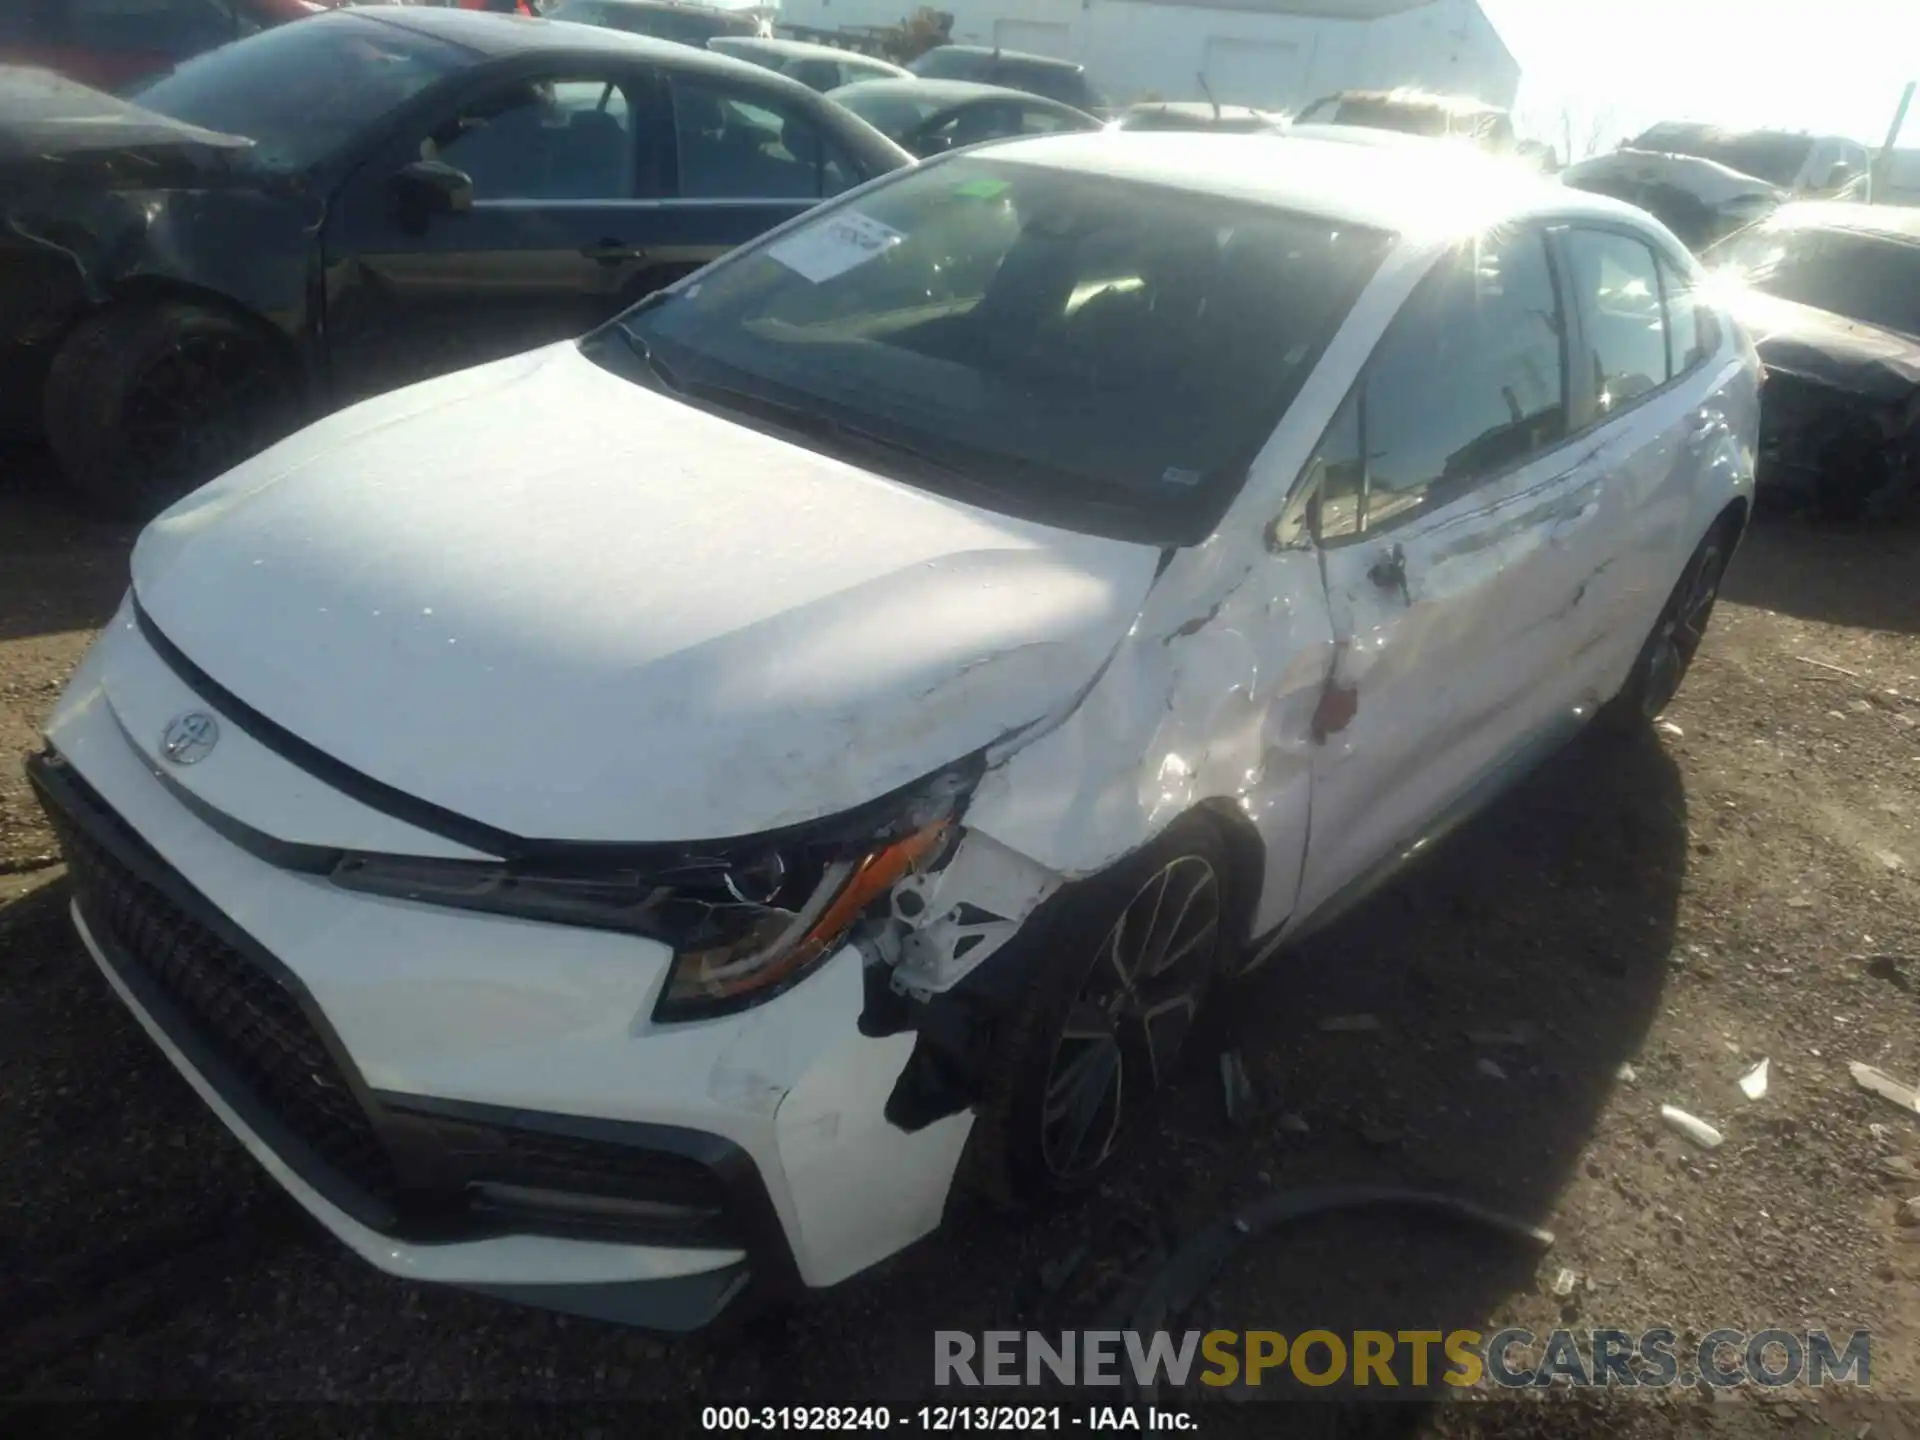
x,y
1883,163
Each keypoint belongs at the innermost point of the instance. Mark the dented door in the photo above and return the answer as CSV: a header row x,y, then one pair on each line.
x,y
1459,526
1450,637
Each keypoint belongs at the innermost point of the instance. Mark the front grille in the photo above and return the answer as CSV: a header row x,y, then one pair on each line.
x,y
242,1014
1803,424
429,1170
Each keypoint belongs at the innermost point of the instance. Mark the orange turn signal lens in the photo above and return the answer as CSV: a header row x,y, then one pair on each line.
x,y
781,945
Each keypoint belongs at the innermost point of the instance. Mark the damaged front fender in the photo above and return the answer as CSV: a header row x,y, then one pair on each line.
x,y
101,199
1206,703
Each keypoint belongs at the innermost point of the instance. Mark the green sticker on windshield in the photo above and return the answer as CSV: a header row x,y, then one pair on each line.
x,y
984,188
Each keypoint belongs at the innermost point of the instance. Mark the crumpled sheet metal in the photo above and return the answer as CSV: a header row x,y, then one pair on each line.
x,y
1831,349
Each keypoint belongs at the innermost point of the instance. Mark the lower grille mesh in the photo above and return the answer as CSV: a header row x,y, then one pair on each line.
x,y
241,1013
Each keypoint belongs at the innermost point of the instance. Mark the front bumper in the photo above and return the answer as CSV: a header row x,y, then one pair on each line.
x,y
1843,451
395,1175
428,1083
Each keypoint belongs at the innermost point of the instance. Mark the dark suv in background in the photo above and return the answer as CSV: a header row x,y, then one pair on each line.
x,y
1061,80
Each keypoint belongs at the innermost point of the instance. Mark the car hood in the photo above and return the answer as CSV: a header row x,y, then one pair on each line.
x,y
1820,345
48,118
571,608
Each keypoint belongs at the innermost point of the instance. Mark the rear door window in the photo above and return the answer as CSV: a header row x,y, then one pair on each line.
x,y
1692,333
1617,286
734,144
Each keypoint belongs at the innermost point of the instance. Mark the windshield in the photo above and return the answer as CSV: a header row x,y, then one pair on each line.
x,y
303,91
1777,159
1102,355
1867,278
685,26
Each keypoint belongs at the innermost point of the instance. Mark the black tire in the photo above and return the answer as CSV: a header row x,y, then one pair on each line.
x,y
148,400
1667,655
1016,1151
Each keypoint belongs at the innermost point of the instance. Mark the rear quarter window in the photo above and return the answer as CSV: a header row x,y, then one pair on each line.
x,y
1693,334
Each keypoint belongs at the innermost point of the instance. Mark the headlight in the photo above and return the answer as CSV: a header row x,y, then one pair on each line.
x,y
774,947
745,921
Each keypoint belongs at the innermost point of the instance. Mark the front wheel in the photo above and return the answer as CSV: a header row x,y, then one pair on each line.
x,y
1668,654
1122,966
149,399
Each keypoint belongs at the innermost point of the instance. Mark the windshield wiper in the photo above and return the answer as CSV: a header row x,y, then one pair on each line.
x,y
802,420
656,367
837,434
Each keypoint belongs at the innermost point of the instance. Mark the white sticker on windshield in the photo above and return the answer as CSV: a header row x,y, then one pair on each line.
x,y
834,245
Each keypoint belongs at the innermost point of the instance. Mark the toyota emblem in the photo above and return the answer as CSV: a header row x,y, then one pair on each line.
x,y
190,738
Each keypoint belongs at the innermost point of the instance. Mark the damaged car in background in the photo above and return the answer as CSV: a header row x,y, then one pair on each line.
x,y
334,207
1417,112
1700,200
930,117
113,44
1830,294
650,816
1806,167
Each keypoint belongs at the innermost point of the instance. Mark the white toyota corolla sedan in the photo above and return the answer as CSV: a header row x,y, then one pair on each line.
x,y
651,815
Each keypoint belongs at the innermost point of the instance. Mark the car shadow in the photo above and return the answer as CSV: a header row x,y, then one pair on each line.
x,y
61,568
1858,575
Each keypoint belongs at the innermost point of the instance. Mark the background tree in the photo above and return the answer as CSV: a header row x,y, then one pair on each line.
x,y
920,32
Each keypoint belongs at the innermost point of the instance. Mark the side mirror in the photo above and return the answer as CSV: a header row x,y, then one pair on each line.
x,y
427,188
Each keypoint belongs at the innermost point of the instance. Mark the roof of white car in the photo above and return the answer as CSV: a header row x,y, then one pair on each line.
x,y
1435,189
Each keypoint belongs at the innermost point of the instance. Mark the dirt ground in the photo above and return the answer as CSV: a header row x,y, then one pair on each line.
x,y
1743,885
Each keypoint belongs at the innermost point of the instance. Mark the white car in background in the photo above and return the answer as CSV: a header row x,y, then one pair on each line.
x,y
644,816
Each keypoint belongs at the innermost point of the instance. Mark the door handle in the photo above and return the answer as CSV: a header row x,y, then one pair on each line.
x,y
1702,427
1389,571
612,252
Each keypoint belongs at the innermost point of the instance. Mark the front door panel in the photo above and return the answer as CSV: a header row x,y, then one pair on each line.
x,y
556,241
1458,528
1448,637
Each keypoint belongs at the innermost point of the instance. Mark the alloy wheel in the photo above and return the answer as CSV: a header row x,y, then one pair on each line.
x,y
1682,628
1127,1023
206,404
